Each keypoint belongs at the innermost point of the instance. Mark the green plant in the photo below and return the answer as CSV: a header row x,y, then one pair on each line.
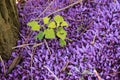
x,y
55,28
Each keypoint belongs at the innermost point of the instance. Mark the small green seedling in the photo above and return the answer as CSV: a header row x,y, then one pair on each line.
x,y
55,28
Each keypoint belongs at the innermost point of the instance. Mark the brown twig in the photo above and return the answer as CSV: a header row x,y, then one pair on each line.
x,y
79,1
3,65
37,44
44,10
85,29
93,40
31,62
69,39
20,46
74,20
98,76
51,73
32,56
47,46
63,69
14,63
24,45
115,73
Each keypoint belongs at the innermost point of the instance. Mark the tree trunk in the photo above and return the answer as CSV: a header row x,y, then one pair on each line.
x,y
9,26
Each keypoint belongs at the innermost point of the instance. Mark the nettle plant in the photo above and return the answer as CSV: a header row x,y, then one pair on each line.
x,y
51,29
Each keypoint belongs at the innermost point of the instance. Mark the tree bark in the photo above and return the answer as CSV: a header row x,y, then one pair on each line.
x,y
9,27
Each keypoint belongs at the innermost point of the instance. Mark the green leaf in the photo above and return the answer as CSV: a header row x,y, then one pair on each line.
x,y
46,20
52,25
64,23
34,25
58,19
49,34
61,33
40,35
62,43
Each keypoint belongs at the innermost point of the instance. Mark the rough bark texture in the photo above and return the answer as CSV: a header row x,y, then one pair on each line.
x,y
9,26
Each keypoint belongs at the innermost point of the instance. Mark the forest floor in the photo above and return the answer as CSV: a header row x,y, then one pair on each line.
x,y
92,50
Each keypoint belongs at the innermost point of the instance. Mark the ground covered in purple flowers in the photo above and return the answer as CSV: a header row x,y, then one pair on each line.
x,y
94,28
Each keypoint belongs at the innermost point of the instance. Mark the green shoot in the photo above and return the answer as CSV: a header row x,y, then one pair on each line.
x,y
55,28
